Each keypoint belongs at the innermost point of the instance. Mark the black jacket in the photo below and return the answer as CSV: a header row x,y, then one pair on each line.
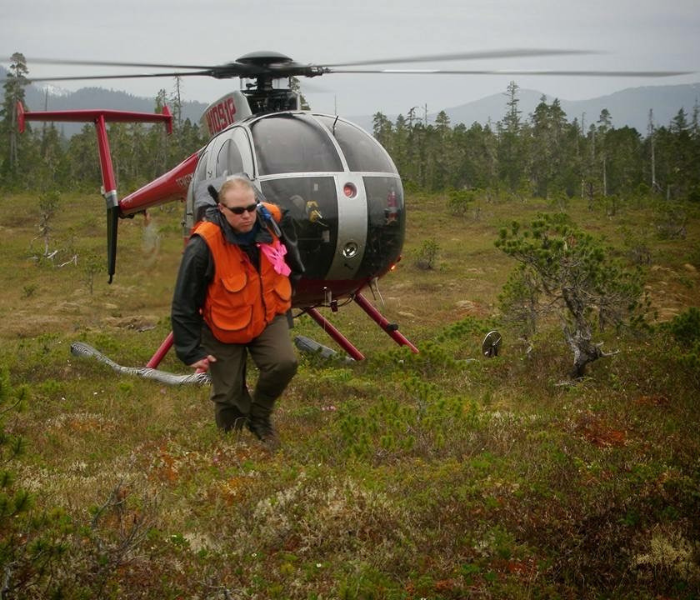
x,y
196,272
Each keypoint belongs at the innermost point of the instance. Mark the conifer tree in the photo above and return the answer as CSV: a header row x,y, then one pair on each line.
x,y
510,155
14,93
562,268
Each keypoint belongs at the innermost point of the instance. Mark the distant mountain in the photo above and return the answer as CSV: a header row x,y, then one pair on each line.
x,y
631,106
493,108
628,107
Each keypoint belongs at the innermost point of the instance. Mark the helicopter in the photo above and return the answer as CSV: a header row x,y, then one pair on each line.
x,y
339,184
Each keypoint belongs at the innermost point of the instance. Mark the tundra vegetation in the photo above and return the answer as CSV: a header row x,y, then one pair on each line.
x,y
440,475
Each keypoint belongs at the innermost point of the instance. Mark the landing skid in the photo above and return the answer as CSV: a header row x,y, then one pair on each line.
x,y
390,328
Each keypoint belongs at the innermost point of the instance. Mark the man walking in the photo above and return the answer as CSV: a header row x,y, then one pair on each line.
x,y
231,297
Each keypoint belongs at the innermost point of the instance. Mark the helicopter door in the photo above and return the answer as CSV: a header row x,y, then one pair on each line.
x,y
200,174
386,224
230,153
297,164
312,204
227,154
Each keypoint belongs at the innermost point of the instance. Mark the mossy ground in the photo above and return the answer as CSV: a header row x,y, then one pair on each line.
x,y
437,475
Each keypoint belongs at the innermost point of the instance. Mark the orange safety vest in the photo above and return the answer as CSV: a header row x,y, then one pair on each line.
x,y
241,302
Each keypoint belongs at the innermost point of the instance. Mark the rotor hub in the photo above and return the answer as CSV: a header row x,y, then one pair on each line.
x,y
264,58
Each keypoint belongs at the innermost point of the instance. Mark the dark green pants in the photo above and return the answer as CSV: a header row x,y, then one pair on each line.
x,y
273,354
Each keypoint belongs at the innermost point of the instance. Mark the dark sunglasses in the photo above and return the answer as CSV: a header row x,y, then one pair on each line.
x,y
239,210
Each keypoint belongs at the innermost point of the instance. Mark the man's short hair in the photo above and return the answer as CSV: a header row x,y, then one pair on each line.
x,y
236,182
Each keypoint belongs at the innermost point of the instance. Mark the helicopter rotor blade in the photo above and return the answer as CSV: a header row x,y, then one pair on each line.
x,y
474,55
129,76
521,72
512,53
221,71
107,63
272,65
310,88
554,73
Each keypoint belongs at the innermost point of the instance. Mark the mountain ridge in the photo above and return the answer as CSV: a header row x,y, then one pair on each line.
x,y
628,108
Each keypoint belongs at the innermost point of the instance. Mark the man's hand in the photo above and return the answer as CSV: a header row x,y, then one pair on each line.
x,y
202,366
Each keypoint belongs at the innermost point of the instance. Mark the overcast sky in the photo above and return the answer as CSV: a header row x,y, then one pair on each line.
x,y
628,34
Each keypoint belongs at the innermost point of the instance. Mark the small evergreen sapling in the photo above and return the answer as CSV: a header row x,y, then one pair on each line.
x,y
571,273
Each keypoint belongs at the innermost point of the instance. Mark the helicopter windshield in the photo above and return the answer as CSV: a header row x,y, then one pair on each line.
x,y
361,151
293,144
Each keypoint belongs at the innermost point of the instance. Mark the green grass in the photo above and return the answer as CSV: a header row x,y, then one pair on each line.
x,y
441,475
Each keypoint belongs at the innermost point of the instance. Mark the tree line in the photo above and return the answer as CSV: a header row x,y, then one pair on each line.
x,y
542,154
545,154
43,158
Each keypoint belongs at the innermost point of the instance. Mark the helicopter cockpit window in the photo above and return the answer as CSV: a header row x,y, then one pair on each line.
x,y
361,150
200,172
293,144
229,159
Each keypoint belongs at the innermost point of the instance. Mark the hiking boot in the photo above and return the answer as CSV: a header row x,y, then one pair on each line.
x,y
239,423
263,429
230,419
